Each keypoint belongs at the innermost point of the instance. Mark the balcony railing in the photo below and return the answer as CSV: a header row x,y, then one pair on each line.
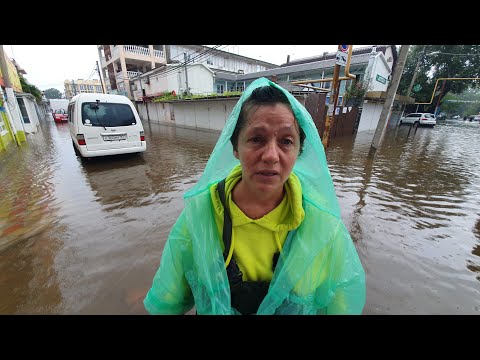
x,y
130,74
158,53
137,50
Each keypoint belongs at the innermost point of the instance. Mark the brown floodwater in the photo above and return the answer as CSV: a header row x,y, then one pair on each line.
x,y
86,237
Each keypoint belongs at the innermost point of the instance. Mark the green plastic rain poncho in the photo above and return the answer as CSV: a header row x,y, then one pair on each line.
x,y
320,273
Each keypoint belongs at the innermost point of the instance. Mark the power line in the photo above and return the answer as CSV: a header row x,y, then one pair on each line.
x,y
202,56
444,53
89,76
182,64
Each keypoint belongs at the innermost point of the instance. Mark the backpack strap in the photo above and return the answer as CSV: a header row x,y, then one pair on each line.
x,y
227,221
233,272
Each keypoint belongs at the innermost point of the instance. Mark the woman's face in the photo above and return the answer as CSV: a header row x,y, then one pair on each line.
x,y
268,146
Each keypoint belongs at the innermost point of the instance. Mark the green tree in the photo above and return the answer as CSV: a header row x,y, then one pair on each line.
x,y
29,88
53,93
355,93
464,104
450,61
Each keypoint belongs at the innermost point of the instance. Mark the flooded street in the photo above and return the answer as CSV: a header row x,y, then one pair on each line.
x,y
86,237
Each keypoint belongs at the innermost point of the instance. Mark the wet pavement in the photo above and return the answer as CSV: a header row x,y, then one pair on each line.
x,y
86,237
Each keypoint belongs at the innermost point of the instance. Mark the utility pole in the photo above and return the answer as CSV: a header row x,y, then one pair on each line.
x,y
391,91
439,97
101,81
332,104
186,74
421,58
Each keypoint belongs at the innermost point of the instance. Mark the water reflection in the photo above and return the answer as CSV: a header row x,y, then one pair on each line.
x,y
409,208
28,244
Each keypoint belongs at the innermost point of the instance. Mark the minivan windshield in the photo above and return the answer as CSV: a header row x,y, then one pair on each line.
x,y
107,114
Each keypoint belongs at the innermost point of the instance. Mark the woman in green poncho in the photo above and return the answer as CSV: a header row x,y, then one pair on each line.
x,y
261,231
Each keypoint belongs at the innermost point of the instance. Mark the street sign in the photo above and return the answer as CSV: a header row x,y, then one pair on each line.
x,y
381,79
344,48
341,58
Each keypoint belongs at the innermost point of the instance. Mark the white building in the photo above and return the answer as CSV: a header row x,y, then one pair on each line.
x,y
29,112
121,63
74,87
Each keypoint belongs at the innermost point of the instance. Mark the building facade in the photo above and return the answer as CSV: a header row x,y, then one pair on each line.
x,y
371,65
12,129
122,63
74,87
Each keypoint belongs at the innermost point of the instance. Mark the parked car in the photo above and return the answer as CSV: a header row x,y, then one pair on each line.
x,y
476,118
60,115
419,119
105,124
456,117
441,116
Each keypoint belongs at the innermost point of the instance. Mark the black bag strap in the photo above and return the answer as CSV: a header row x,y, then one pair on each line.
x,y
227,221
233,271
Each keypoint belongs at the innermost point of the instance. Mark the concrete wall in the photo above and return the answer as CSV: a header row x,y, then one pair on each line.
x,y
6,137
201,114
13,112
210,115
370,114
32,115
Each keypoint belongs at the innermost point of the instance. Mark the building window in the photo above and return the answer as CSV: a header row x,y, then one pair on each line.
x,y
99,88
91,87
210,61
82,87
23,110
219,89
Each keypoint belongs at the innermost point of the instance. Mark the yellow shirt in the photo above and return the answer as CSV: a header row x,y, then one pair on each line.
x,y
255,242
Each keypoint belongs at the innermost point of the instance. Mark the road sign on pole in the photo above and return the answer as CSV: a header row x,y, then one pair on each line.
x,y
344,48
341,58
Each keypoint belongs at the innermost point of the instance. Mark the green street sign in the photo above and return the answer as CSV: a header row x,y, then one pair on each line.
x,y
381,79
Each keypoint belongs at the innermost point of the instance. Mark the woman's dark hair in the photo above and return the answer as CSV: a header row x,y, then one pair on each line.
x,y
264,95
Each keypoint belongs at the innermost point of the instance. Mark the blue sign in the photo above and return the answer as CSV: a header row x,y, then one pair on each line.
x,y
344,48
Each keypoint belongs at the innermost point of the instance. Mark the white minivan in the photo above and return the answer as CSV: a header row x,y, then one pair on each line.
x,y
104,124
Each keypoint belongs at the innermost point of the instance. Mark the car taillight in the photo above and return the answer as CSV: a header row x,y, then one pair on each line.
x,y
142,136
81,139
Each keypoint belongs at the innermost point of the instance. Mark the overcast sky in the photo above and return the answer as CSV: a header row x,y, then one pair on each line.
x,y
48,66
